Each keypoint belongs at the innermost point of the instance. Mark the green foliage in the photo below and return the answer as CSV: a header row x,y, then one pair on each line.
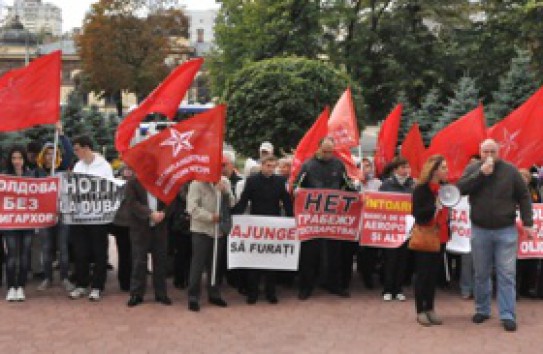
x,y
516,86
430,109
465,99
407,116
279,99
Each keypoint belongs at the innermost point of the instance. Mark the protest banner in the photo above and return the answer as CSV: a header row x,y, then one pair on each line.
x,y
384,219
531,248
28,203
325,213
263,242
460,226
87,199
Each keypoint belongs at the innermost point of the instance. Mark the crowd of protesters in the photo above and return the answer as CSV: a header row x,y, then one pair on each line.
x,y
180,236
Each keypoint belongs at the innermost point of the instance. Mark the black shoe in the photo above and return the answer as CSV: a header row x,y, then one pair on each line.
x,y
341,292
218,302
164,300
509,325
304,294
194,306
135,300
272,299
251,299
479,318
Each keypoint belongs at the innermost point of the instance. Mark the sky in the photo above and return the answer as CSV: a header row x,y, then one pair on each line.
x,y
73,11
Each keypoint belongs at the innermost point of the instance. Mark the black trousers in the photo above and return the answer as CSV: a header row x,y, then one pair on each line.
x,y
395,261
526,276
155,241
2,259
426,273
366,263
90,245
348,250
270,280
124,254
182,255
324,255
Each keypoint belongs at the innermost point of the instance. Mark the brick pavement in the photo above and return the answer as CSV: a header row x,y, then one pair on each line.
x,y
50,322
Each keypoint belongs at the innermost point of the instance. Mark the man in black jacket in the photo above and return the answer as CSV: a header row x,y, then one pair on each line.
x,y
324,171
267,195
496,190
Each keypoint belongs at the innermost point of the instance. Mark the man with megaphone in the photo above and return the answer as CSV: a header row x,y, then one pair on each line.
x,y
495,189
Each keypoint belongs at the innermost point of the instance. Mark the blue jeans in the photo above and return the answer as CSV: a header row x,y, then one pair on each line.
x,y
58,233
495,248
18,251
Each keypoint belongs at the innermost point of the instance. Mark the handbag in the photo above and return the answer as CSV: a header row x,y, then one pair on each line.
x,y
425,239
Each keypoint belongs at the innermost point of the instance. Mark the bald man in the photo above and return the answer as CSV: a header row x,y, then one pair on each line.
x,y
496,190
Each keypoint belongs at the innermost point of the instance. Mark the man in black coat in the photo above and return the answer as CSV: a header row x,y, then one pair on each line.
x,y
324,171
148,233
267,195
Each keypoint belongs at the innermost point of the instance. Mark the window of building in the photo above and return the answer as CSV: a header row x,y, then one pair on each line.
x,y
200,33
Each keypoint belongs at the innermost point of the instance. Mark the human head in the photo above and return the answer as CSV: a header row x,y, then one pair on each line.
x,y
33,149
367,168
266,149
400,167
284,166
227,163
435,168
326,148
526,175
268,165
83,147
489,149
17,159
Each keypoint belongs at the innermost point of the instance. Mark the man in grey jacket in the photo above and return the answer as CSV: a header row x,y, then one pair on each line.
x,y
495,189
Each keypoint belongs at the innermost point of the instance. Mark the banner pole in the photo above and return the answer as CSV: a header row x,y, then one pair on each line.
x,y
215,242
55,149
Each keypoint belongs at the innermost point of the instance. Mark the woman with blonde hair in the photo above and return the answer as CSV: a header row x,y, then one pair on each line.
x,y
427,211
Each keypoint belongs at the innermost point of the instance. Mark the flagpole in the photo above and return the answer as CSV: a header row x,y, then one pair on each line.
x,y
55,148
216,241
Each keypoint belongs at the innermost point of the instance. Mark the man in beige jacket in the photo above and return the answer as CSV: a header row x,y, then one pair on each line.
x,y
204,216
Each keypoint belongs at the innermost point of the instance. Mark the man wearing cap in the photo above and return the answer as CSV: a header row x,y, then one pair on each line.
x,y
266,149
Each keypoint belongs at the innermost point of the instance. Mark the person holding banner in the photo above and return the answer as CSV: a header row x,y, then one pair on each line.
x,y
395,259
428,211
495,189
90,241
18,242
202,207
267,194
324,171
148,233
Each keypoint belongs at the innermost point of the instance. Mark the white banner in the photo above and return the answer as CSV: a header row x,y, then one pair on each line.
x,y
263,242
460,228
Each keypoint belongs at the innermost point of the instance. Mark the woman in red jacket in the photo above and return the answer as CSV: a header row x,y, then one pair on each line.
x,y
427,210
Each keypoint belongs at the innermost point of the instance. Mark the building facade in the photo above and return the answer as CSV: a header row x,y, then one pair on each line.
x,y
37,16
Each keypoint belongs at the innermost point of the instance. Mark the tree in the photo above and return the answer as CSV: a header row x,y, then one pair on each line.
x,y
279,99
430,109
121,51
516,86
247,31
407,116
465,99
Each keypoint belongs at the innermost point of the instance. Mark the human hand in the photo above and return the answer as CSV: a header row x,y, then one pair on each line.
x,y
487,167
216,218
157,216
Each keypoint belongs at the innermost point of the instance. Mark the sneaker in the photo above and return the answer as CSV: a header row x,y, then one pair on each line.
x,y
387,297
509,325
479,318
45,284
434,318
78,293
20,294
11,295
423,319
400,297
94,295
68,285
194,306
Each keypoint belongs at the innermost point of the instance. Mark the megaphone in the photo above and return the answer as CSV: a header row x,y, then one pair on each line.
x,y
449,195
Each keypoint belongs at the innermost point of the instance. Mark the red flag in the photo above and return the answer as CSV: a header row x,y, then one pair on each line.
x,y
31,96
387,139
459,141
519,134
413,150
164,99
190,150
309,144
342,125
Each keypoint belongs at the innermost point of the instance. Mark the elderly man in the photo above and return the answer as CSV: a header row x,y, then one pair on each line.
x,y
495,189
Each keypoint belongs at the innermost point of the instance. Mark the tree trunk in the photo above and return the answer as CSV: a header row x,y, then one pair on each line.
x,y
118,99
